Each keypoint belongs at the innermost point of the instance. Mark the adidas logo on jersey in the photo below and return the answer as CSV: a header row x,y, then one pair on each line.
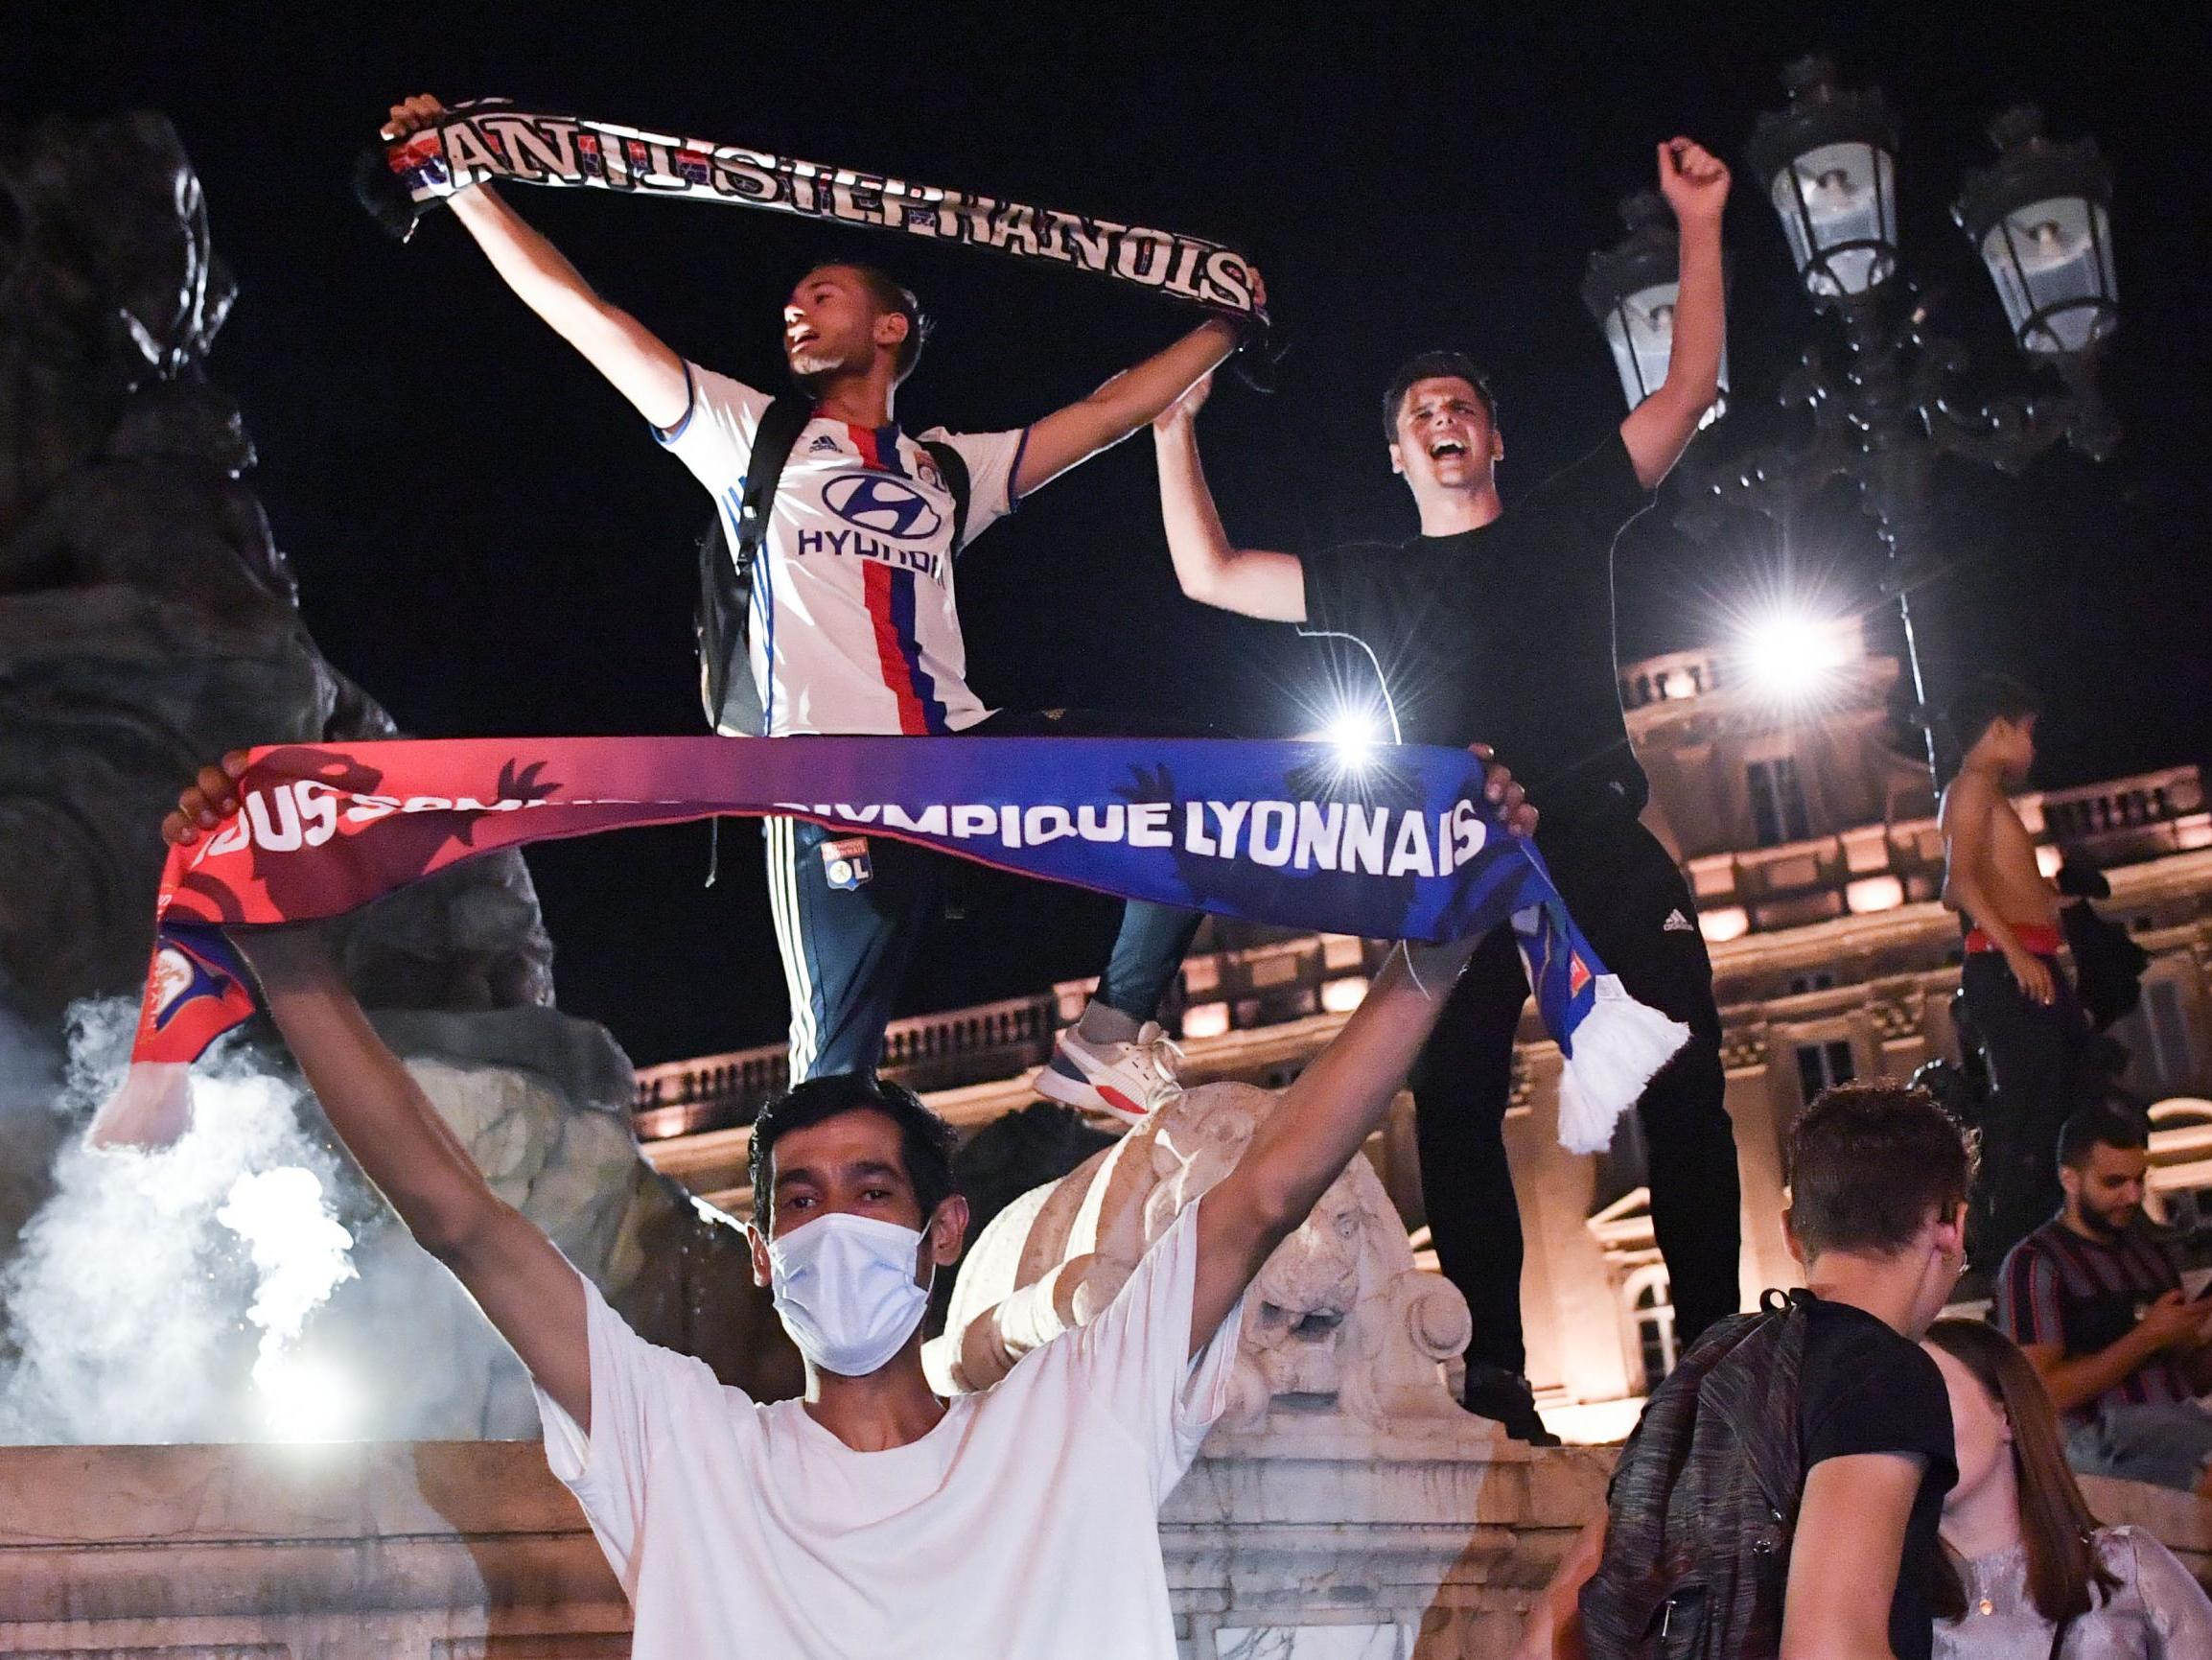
x,y
1677,923
825,445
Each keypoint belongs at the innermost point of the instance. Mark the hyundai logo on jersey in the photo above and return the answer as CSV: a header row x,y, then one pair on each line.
x,y
890,505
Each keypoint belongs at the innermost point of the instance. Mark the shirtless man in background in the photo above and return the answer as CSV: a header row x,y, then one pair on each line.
x,y
2017,994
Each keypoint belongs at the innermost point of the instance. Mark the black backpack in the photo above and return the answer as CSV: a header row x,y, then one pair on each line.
x,y
1705,1499
725,611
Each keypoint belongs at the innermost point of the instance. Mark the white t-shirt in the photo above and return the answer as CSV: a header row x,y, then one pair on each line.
x,y
853,626
1025,1524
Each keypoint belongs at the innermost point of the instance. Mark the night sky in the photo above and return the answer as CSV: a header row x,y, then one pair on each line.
x,y
487,539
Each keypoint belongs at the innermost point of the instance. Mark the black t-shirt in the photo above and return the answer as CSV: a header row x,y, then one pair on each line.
x,y
1504,635
1866,1390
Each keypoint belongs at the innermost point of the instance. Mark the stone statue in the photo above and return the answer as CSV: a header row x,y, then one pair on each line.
x,y
1338,1318
148,623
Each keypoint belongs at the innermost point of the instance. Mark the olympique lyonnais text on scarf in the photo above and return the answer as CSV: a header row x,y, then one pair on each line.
x,y
491,139
1403,848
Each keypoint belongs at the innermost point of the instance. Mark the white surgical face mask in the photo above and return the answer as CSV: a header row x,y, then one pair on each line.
x,y
845,1290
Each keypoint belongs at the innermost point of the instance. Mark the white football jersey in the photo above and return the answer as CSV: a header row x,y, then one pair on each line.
x,y
853,626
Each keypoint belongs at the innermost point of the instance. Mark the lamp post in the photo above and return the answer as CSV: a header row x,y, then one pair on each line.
x,y
1631,289
2039,216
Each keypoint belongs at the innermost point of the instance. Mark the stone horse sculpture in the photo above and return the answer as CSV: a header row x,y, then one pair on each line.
x,y
1340,1323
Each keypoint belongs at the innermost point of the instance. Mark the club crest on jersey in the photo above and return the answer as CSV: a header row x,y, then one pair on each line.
x,y
173,974
889,507
846,864
925,469
188,987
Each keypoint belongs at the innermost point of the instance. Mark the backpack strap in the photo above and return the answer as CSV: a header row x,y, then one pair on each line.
x,y
952,468
726,575
773,443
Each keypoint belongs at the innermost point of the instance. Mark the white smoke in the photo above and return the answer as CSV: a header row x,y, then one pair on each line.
x,y
299,1251
163,1295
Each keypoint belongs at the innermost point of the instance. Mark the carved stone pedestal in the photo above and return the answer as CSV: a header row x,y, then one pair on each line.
x,y
1425,1545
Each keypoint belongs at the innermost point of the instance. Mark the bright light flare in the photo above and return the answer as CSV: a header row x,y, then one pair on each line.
x,y
304,1398
1354,734
1791,657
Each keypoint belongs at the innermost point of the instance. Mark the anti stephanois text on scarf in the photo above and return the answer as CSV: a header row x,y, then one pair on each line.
x,y
537,149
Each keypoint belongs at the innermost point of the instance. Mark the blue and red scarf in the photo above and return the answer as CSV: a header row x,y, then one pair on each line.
x,y
1404,846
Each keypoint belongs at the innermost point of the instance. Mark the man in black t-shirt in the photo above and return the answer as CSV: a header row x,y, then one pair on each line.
x,y
1498,625
1878,1182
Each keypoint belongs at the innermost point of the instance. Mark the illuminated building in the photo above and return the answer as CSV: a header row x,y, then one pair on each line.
x,y
1810,844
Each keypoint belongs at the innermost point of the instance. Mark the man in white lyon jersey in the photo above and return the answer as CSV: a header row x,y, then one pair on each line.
x,y
852,622
870,1519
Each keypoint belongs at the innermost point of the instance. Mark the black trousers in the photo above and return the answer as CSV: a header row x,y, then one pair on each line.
x,y
1630,899
2039,1075
849,908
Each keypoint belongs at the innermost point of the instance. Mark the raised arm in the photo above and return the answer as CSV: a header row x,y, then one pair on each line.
x,y
1212,569
613,342
1658,429
523,1285
1970,806
1335,1105
1127,402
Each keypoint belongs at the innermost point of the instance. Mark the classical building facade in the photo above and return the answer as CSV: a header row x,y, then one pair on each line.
x,y
1810,843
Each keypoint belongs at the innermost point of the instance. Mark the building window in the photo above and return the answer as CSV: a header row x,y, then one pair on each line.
x,y
1820,1066
1778,802
1651,1308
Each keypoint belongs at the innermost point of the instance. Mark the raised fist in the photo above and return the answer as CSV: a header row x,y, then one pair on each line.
x,y
1693,181
1184,410
411,115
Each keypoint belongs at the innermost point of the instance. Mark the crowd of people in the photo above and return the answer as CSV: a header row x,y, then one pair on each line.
x,y
1841,1472
1846,1473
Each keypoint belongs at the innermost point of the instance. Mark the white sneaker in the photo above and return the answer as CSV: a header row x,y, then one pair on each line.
x,y
1128,1081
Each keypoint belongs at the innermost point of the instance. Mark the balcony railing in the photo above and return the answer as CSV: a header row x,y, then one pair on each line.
x,y
1219,991
1874,868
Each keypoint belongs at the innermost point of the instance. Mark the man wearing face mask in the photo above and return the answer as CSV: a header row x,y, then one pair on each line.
x,y
870,1517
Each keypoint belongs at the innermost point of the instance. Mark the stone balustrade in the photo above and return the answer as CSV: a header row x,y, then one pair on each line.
x,y
1219,991
471,1551
1673,677
1426,1544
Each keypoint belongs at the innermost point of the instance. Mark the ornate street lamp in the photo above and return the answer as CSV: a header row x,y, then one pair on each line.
x,y
2041,218
1631,289
1829,164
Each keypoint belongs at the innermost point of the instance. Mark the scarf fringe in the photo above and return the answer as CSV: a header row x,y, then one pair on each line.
x,y
1619,1048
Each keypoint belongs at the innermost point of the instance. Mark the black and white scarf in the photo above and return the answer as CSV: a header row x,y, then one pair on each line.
x,y
492,139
